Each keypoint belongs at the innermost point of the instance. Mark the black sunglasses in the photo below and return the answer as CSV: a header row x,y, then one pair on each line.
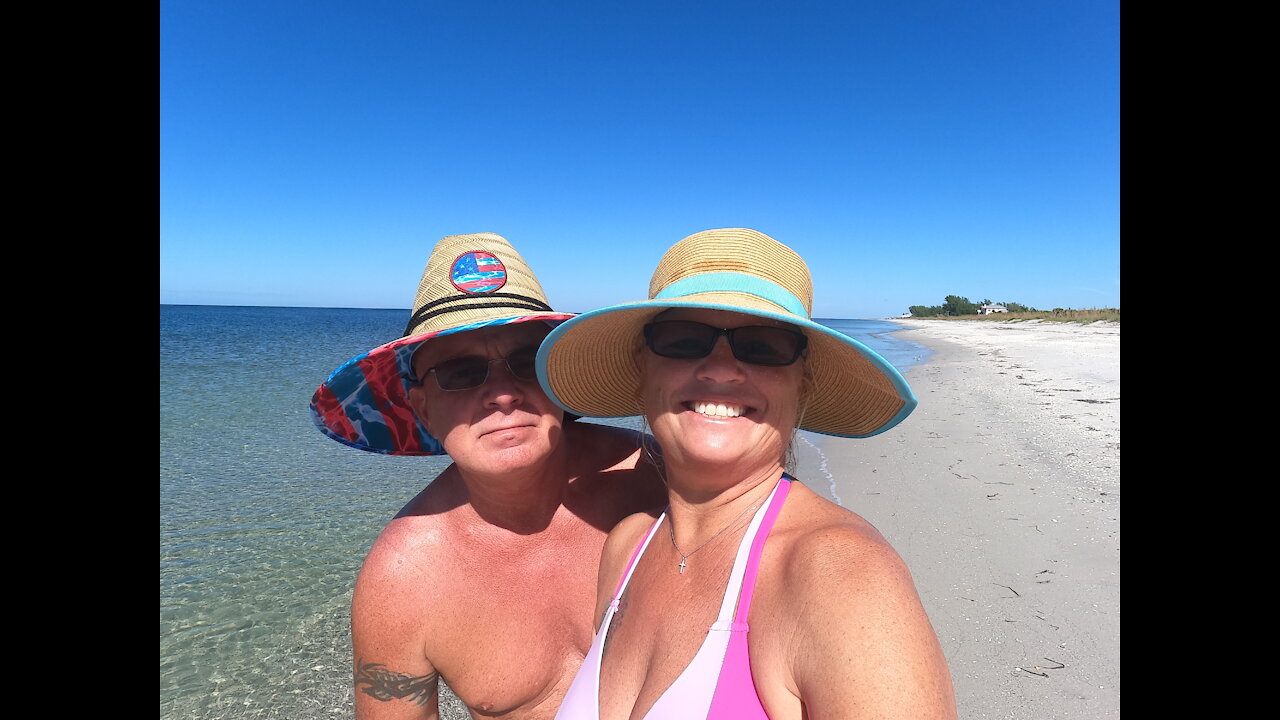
x,y
755,344
469,372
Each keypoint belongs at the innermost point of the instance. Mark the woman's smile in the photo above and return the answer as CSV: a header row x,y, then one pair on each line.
x,y
717,409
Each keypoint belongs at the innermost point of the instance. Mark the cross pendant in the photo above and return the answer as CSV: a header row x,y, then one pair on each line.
x,y
681,566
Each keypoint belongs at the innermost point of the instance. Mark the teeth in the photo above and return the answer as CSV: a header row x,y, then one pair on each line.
x,y
717,409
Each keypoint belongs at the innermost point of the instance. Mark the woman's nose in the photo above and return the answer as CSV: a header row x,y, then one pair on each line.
x,y
720,365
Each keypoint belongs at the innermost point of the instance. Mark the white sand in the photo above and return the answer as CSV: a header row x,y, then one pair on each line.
x,y
1002,493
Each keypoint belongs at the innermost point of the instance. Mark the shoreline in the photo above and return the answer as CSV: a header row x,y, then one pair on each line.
x,y
1002,494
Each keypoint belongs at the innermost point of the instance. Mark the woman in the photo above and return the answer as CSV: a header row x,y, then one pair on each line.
x,y
724,363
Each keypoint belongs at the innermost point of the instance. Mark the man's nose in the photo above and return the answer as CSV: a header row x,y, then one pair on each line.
x,y
503,386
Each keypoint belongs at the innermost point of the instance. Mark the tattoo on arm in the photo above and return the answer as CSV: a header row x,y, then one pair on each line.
x,y
384,684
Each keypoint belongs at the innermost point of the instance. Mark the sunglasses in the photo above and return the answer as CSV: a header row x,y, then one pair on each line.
x,y
755,345
469,372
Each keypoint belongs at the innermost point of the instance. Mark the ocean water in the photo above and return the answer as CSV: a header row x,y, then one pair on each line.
x,y
264,521
876,334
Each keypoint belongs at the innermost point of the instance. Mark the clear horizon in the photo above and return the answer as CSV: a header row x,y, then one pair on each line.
x,y
312,153
407,309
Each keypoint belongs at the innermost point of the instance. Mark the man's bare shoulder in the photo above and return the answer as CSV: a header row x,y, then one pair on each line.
x,y
609,447
406,548
399,606
613,472
442,495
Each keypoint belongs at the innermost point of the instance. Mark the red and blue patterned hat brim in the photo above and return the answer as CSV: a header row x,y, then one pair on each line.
x,y
364,404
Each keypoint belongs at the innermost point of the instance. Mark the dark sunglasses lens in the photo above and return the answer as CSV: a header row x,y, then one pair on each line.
x,y
522,363
680,340
462,373
766,345
468,372
758,345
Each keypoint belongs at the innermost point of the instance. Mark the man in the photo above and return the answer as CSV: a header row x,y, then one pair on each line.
x,y
486,579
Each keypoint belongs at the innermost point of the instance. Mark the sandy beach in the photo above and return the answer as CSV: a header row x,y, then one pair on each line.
x,y
1002,493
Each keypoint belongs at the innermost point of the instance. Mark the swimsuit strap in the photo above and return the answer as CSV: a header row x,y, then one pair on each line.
x,y
765,523
742,563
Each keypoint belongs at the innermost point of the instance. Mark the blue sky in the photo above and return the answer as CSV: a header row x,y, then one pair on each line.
x,y
312,151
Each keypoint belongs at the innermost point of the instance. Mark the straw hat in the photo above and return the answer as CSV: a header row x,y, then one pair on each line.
x,y
587,363
470,282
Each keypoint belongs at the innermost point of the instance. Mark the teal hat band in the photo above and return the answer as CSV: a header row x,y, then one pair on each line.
x,y
734,282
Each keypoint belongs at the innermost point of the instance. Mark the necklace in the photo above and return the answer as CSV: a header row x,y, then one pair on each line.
x,y
685,556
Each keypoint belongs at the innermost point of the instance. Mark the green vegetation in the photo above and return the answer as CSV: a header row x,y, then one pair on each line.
x,y
956,307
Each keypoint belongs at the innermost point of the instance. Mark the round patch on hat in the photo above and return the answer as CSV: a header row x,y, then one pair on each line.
x,y
478,272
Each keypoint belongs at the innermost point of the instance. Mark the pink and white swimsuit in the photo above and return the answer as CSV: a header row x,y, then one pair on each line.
x,y
717,684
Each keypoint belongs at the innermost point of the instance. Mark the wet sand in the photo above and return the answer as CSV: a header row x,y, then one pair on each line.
x,y
1002,493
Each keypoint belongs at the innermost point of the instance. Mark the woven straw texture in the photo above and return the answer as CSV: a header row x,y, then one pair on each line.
x,y
591,361
467,308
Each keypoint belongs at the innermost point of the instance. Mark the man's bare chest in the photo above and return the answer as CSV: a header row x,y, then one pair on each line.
x,y
510,632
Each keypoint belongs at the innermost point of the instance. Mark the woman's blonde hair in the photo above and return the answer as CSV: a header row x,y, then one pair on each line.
x,y
806,390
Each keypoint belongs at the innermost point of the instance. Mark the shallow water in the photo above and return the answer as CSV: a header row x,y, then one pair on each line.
x,y
264,521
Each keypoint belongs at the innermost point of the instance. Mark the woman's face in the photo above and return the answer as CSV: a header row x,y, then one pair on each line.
x,y
719,412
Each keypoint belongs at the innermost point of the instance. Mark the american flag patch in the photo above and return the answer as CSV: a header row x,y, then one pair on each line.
x,y
478,272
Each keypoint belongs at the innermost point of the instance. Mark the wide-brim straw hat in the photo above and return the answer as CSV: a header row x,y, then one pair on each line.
x,y
470,282
587,364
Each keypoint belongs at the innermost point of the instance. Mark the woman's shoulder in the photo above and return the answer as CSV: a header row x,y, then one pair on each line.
x,y
838,589
619,547
628,533
824,547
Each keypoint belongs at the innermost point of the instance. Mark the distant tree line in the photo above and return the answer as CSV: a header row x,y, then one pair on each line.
x,y
956,305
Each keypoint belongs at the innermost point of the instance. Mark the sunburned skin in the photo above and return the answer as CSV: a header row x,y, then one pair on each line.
x,y
376,681
502,614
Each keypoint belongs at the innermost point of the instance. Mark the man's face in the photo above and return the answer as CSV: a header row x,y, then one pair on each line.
x,y
505,424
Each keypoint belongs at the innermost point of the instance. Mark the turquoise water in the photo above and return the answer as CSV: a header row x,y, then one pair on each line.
x,y
875,334
264,521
